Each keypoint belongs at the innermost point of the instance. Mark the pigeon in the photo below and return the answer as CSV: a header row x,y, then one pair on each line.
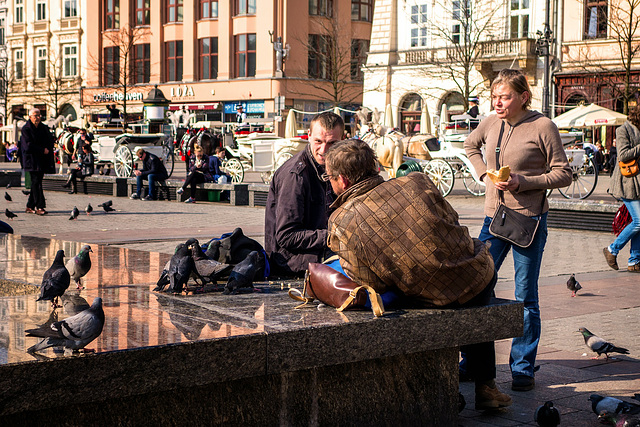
x,y
9,214
74,213
55,280
547,416
573,285
620,420
73,303
7,196
26,192
208,269
72,333
107,203
598,345
163,280
89,209
181,266
108,209
241,277
79,265
611,405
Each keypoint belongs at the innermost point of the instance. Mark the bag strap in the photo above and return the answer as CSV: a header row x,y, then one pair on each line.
x,y
376,300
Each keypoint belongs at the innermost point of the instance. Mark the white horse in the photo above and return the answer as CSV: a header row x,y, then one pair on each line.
x,y
385,143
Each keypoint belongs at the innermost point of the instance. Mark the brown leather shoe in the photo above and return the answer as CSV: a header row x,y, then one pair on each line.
x,y
41,212
611,258
29,210
488,398
635,268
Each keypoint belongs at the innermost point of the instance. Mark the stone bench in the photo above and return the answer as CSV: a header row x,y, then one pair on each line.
x,y
11,177
209,191
258,194
582,214
94,184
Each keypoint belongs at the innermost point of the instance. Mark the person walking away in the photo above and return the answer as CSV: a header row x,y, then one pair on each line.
x,y
530,144
627,188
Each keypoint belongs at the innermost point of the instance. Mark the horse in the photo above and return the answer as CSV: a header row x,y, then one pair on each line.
x,y
388,149
419,146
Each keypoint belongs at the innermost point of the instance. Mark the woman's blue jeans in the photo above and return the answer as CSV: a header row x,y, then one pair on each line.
x,y
630,233
527,263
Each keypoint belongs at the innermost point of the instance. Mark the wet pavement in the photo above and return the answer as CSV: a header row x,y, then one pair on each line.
x,y
133,243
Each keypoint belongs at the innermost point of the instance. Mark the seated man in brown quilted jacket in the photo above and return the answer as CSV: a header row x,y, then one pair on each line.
x,y
401,235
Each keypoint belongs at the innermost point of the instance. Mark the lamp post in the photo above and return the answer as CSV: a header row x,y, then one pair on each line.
x,y
543,48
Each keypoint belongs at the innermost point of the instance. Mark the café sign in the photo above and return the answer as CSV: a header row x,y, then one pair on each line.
x,y
182,91
117,96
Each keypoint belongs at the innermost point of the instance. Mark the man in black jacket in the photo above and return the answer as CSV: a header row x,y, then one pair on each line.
x,y
297,211
153,170
36,154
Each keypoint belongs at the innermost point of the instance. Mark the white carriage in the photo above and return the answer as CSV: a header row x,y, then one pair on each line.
x,y
120,151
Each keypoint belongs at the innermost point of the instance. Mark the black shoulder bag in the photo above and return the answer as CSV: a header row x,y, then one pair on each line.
x,y
508,224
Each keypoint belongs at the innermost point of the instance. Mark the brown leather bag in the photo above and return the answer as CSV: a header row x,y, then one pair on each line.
x,y
333,288
630,168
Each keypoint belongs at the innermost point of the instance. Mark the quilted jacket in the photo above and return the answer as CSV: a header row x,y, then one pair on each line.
x,y
402,234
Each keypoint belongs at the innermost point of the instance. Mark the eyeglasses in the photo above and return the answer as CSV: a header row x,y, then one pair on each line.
x,y
326,177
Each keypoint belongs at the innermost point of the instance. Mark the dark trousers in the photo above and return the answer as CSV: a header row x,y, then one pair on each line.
x,y
36,197
192,179
73,178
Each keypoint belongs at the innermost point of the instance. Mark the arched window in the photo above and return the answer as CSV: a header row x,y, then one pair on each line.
x,y
452,104
67,109
410,110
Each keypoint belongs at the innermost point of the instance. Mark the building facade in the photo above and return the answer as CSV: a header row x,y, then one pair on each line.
x,y
210,56
439,53
4,62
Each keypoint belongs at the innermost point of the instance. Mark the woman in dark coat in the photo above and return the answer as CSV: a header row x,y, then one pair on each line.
x,y
85,168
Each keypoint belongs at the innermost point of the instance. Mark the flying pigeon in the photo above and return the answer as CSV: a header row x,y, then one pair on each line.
x,y
73,333
241,277
208,269
181,266
9,214
547,416
598,345
89,209
55,280
74,213
7,196
79,265
611,405
573,285
107,203
26,192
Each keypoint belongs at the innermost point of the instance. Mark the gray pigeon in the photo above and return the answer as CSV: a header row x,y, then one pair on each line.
x,y
241,277
181,266
547,416
600,346
208,269
620,420
55,280
164,274
573,285
72,333
611,405
107,203
74,213
79,265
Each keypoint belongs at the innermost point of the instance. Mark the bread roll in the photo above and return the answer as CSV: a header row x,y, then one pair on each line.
x,y
501,175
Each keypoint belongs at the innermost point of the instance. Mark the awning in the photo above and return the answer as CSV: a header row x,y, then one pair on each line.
x,y
207,106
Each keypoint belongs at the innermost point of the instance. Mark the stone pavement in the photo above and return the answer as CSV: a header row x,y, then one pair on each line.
x,y
608,305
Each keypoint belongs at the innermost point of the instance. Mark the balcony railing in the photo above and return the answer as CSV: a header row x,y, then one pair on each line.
x,y
489,50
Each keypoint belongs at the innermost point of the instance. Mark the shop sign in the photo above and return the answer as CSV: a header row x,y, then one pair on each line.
x,y
182,91
250,107
117,96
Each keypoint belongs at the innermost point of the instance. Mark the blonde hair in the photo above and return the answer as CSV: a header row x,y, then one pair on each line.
x,y
516,80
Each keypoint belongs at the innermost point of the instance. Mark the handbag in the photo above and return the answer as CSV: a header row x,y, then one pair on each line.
x,y
333,288
509,225
630,168
621,220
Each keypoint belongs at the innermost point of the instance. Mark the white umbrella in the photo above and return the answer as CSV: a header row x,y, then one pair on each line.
x,y
425,119
388,117
592,115
291,127
443,119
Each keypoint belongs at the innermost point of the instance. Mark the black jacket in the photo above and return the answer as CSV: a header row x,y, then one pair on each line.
x,y
86,163
296,215
153,165
33,141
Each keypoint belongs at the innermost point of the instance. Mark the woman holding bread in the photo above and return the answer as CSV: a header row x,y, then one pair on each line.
x,y
531,147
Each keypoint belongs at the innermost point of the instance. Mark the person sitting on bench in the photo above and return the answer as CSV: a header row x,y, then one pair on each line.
x,y
153,170
85,168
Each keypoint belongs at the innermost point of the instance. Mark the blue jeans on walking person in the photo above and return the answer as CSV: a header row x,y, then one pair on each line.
x,y
152,183
630,233
527,263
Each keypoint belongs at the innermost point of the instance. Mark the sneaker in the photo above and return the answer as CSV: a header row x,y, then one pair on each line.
x,y
180,191
611,258
522,383
134,196
147,198
488,398
190,200
635,268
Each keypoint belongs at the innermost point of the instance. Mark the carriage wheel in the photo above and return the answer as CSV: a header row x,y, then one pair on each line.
x,y
234,168
472,186
267,176
168,158
441,173
584,180
123,161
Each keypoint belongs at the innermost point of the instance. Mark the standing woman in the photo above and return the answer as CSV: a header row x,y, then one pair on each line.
x,y
532,148
628,189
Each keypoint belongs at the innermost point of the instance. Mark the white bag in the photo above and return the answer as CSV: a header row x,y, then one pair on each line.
x,y
222,179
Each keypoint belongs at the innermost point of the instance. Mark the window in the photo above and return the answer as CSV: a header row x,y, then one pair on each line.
x,y
461,12
173,54
174,10
19,18
142,63
111,65
595,19
519,19
208,9
70,58
70,8
1,31
19,64
209,58
245,55
143,10
455,33
359,49
419,25
321,7
41,63
361,10
112,14
319,59
41,10
245,7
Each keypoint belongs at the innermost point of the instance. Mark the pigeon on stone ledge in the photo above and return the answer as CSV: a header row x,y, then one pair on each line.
x,y
242,275
79,265
55,280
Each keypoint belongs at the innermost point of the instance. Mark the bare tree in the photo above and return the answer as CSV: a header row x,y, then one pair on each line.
x,y
57,89
624,21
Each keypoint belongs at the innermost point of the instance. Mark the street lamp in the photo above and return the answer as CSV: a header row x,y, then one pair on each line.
x,y
543,48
